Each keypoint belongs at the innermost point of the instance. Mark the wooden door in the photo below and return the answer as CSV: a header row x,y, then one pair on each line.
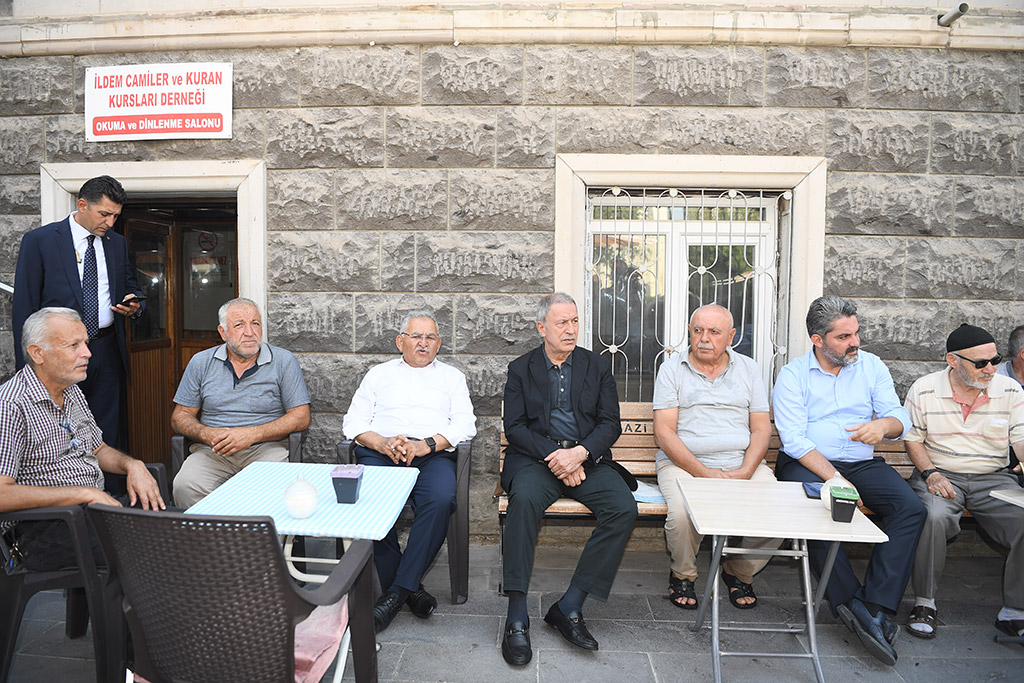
x,y
185,255
151,384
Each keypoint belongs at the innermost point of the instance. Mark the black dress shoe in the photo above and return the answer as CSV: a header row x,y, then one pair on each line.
x,y
870,630
385,609
421,603
515,644
571,626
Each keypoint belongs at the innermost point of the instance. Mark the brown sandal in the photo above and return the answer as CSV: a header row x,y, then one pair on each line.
x,y
924,616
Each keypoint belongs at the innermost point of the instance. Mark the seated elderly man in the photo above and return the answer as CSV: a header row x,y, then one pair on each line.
x,y
51,450
965,417
710,420
238,402
412,412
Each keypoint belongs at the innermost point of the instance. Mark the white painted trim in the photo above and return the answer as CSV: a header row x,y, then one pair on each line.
x,y
246,179
803,176
59,27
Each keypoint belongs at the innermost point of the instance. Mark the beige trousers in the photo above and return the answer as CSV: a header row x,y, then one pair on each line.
x,y
204,470
683,540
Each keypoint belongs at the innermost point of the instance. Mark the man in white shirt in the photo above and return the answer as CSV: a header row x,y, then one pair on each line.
x,y
412,412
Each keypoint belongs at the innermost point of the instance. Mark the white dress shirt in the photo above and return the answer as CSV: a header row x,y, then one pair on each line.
x,y
397,398
80,240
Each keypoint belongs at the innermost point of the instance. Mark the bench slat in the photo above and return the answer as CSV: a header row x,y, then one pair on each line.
x,y
635,450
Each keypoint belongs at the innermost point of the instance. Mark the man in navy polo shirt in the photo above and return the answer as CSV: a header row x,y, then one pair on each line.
x,y
237,402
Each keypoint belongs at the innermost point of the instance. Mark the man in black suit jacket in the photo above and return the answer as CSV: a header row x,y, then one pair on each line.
x,y
561,419
51,265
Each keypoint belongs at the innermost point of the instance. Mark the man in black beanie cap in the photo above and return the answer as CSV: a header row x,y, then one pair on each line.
x,y
965,417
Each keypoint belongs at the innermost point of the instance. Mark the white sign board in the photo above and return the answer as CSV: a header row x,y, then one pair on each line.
x,y
158,101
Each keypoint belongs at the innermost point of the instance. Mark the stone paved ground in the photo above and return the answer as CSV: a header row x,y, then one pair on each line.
x,y
643,638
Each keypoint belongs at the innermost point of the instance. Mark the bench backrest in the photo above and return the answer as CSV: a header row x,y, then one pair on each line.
x,y
636,448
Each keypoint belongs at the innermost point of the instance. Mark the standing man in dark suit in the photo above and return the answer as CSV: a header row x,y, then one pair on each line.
x,y
80,263
561,419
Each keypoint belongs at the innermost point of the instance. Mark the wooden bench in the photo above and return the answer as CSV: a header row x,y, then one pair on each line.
x,y
636,449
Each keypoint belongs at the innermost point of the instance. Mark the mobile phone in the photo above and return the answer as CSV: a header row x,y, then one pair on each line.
x,y
813,489
138,297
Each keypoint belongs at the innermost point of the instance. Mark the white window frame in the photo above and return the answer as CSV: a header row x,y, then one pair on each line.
x,y
686,233
803,242
244,179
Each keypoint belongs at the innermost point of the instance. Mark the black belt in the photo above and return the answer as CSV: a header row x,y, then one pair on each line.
x,y
566,443
104,331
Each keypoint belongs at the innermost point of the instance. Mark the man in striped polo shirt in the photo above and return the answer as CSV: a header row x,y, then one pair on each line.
x,y
964,419
51,450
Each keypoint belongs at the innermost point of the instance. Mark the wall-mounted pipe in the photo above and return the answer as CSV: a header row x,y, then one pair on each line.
x,y
947,19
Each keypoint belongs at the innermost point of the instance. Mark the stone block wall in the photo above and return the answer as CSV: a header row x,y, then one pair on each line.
x,y
407,177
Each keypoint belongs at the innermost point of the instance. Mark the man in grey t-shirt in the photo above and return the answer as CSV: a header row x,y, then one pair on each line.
x,y
710,420
238,402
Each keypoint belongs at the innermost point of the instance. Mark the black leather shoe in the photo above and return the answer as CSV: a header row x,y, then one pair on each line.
x,y
421,603
870,630
384,610
571,626
515,644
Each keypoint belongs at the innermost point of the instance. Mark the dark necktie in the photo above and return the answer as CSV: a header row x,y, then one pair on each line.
x,y
90,291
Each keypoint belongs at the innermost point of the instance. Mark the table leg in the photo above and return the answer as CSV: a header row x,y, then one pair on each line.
x,y
292,561
826,572
811,606
718,544
716,638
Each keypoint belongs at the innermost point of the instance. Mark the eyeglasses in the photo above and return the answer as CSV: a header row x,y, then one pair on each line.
x,y
75,444
416,336
981,363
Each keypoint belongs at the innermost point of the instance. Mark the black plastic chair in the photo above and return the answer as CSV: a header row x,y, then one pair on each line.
x,y
179,448
209,598
86,594
458,523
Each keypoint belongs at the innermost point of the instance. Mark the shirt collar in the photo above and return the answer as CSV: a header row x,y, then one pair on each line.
x,y
431,364
36,390
728,352
550,364
945,389
266,354
78,233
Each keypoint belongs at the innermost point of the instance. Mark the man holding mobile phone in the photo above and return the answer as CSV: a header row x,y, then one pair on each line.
x,y
81,263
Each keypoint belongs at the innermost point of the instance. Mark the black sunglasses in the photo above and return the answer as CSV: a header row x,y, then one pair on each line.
x,y
981,363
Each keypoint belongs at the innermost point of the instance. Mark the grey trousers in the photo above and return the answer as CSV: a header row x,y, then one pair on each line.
x,y
682,538
1004,522
204,470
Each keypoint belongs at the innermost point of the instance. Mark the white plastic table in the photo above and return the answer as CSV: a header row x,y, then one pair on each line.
x,y
259,490
730,507
1013,496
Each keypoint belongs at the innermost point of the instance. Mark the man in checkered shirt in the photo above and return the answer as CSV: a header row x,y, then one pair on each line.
x,y
51,450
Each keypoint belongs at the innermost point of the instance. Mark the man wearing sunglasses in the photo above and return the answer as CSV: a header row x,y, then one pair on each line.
x,y
411,412
965,418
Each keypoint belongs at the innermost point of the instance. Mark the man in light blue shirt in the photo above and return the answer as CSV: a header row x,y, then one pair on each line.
x,y
832,405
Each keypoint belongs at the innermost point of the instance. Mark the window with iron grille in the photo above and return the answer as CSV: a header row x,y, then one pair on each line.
x,y
653,255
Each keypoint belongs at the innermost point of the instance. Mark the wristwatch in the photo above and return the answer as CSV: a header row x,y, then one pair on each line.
x,y
433,444
596,459
928,472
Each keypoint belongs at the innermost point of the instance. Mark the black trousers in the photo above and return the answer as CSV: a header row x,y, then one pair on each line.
x,y
901,516
433,502
102,385
533,489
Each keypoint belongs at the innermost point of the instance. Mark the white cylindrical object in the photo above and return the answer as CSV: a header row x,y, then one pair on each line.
x,y
300,498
